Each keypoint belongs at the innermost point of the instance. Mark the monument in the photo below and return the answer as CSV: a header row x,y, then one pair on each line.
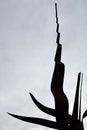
x,y
64,121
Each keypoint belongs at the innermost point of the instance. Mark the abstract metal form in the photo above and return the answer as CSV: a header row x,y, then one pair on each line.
x,y
64,121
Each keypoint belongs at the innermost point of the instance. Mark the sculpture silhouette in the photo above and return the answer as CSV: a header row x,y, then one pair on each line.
x,y
64,121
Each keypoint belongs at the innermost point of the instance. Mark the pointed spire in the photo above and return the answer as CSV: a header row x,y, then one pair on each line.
x,y
59,47
80,94
57,29
77,103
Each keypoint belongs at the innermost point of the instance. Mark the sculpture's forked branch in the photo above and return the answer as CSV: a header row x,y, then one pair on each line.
x,y
48,110
43,108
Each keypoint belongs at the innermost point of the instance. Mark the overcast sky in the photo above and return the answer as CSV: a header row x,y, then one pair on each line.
x,y
27,50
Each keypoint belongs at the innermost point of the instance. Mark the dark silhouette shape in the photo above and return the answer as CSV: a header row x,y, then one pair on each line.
x,y
47,110
61,101
64,121
44,122
84,115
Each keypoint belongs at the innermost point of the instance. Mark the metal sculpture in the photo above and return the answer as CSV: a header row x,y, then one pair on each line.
x,y
64,121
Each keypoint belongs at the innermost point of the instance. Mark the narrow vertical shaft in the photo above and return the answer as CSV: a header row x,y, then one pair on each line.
x,y
80,97
76,102
59,47
61,101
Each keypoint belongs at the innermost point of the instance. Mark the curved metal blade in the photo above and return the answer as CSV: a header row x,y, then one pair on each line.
x,y
43,108
40,121
48,110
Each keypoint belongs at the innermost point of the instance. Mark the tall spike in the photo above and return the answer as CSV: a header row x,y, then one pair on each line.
x,y
57,29
59,47
76,102
80,96
56,12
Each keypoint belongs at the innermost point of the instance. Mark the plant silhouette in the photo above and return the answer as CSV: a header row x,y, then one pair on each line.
x,y
64,121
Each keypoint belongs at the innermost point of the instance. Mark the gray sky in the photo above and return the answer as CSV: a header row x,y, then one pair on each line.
x,y
27,50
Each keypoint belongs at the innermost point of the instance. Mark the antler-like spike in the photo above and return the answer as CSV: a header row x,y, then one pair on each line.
x,y
56,12
59,47
57,29
39,121
80,97
43,108
76,102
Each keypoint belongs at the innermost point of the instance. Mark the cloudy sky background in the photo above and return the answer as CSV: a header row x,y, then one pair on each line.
x,y
27,50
